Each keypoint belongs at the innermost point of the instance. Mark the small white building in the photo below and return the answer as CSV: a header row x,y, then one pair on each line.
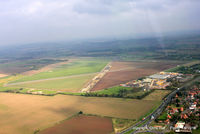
x,y
192,107
179,126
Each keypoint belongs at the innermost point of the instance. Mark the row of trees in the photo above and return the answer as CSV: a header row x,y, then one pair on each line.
x,y
122,93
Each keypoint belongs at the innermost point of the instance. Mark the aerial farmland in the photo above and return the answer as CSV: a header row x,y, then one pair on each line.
x,y
99,66
40,112
69,78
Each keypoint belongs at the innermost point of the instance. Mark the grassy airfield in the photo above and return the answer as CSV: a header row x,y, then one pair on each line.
x,y
69,77
77,67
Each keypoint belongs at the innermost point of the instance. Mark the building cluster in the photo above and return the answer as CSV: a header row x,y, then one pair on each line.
x,y
156,81
183,114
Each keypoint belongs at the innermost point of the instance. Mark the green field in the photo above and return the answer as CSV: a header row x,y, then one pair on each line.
x,y
73,68
66,84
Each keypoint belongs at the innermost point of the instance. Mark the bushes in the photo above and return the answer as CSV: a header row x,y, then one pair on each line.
x,y
80,112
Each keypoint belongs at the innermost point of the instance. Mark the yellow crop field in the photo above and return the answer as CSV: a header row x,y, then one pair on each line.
x,y
27,113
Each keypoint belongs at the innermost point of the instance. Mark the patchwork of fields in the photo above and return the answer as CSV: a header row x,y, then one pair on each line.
x,y
69,77
74,75
41,83
43,113
40,112
73,68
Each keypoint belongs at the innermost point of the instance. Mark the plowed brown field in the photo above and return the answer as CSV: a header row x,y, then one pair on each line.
x,y
122,72
82,125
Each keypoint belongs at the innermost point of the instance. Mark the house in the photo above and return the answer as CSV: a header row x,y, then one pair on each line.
x,y
168,116
192,107
181,109
184,116
173,111
167,121
176,95
181,127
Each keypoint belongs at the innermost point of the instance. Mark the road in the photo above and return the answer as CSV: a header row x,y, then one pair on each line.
x,y
159,110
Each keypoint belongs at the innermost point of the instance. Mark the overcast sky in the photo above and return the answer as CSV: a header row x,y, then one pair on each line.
x,y
26,21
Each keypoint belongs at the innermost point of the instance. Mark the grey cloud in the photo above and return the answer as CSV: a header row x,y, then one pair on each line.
x,y
91,9
104,7
24,21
